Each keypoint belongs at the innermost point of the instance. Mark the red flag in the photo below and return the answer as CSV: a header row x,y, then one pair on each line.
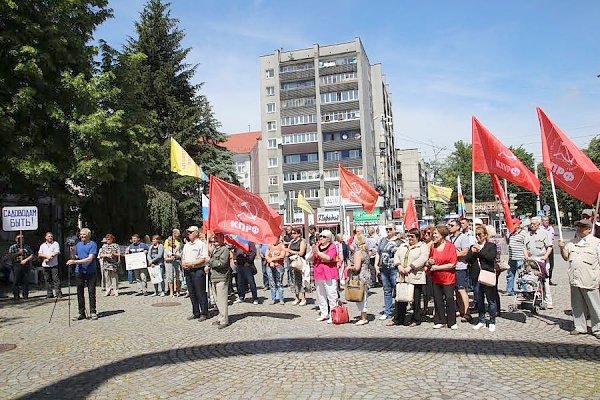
x,y
357,190
489,155
410,216
235,210
499,191
573,171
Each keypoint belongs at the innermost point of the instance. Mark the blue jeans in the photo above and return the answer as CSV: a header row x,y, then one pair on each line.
x,y
245,277
265,276
510,275
490,293
130,276
388,279
276,282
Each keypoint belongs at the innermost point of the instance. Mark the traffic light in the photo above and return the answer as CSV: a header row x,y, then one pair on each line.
x,y
512,201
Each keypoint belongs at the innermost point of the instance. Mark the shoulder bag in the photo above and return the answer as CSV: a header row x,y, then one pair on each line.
x,y
355,289
487,278
405,291
339,314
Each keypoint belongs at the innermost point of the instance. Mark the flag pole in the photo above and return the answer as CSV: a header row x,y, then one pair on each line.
x,y
596,215
473,192
556,206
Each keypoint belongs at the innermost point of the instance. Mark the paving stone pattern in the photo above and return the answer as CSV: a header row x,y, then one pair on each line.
x,y
138,351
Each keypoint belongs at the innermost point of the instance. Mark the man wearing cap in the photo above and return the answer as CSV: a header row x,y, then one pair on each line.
x,y
194,257
516,254
539,247
583,256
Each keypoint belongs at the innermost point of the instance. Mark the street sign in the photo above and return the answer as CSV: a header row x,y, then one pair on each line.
x,y
541,213
546,207
22,218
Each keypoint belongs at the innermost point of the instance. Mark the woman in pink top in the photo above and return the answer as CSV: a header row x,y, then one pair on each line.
x,y
326,274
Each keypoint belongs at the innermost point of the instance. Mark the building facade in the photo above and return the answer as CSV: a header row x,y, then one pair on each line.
x,y
244,147
318,111
412,177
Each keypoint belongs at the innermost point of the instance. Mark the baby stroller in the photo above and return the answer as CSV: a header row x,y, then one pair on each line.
x,y
529,287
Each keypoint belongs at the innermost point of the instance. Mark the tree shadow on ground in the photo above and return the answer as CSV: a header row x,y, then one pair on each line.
x,y
238,317
85,383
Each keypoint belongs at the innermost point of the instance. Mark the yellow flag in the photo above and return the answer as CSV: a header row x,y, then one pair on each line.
x,y
438,193
183,164
303,204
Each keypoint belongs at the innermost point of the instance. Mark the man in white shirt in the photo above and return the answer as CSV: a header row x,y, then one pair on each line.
x,y
194,257
48,255
550,231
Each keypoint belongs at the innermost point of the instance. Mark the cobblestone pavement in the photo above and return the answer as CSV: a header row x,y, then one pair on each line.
x,y
135,350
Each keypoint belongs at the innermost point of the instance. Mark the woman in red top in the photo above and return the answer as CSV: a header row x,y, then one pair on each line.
x,y
441,264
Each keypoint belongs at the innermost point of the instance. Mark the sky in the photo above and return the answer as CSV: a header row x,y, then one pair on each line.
x,y
444,61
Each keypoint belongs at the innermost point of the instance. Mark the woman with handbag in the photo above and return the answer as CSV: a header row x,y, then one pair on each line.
x,y
441,263
325,258
410,259
296,251
483,255
360,267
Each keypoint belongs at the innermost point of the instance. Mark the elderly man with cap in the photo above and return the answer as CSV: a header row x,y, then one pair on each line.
x,y
539,247
194,257
516,254
583,256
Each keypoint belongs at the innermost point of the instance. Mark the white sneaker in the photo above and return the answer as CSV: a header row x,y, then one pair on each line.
x,y
492,328
302,303
383,317
362,322
454,327
438,326
322,318
296,302
479,326
153,294
255,302
162,294
238,300
330,321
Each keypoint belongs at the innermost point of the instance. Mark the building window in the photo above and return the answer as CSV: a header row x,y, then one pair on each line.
x,y
240,168
297,85
340,116
269,73
300,138
270,107
300,158
272,144
301,176
341,135
341,155
334,173
300,102
311,193
337,61
332,191
273,179
299,120
270,90
271,125
337,78
339,97
296,67
273,198
273,162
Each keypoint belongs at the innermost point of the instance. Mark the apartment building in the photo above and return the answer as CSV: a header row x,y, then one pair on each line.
x,y
318,110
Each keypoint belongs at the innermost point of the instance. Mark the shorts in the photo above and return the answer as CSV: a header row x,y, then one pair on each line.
x,y
462,279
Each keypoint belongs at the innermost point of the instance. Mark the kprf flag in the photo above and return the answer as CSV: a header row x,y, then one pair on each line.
x,y
438,193
489,155
462,208
236,211
573,171
183,164
410,216
357,190
302,203
499,191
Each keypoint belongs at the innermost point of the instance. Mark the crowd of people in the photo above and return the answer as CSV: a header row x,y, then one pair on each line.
x,y
457,264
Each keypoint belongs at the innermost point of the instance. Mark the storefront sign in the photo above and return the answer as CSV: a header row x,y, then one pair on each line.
x,y
362,216
328,216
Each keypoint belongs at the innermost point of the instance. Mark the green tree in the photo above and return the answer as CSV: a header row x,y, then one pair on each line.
x,y
42,44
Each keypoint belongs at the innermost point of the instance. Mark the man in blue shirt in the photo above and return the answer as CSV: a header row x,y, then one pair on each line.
x,y
85,272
